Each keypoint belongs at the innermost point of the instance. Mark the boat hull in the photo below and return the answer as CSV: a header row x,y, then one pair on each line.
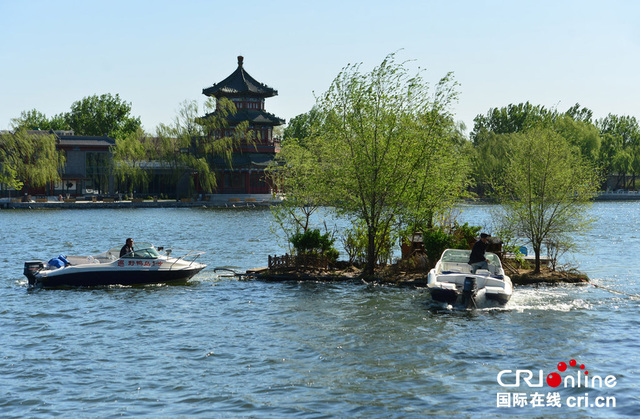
x,y
142,266
105,277
446,296
453,281
479,299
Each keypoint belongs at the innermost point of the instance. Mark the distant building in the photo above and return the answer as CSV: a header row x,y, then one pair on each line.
x,y
87,168
246,174
88,164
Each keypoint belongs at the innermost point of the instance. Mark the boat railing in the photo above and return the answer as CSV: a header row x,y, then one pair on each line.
x,y
183,254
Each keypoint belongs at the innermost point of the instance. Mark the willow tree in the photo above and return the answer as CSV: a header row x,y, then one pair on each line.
x,y
29,159
195,144
294,172
131,154
620,152
381,151
546,189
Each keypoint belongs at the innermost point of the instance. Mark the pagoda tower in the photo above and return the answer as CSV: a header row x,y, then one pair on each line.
x,y
246,175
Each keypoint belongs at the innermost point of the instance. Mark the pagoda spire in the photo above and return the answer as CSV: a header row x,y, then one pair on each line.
x,y
240,84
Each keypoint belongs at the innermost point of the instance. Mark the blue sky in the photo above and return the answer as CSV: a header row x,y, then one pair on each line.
x,y
156,54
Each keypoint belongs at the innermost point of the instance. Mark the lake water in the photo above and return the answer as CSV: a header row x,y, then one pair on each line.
x,y
220,347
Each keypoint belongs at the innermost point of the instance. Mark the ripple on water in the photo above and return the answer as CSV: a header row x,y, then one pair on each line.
x,y
222,347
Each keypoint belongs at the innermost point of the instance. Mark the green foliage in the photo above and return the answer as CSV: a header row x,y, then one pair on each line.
x,y
380,148
93,115
131,153
355,242
29,159
193,143
301,126
9,161
36,120
493,132
311,241
464,235
546,189
511,119
580,114
102,115
437,239
435,242
580,134
620,152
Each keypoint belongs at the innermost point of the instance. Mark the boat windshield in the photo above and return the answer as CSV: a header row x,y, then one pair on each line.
x,y
148,253
143,251
462,256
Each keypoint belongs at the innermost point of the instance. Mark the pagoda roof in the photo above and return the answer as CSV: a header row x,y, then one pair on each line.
x,y
238,84
256,117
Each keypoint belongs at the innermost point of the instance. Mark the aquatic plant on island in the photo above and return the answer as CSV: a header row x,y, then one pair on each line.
x,y
312,242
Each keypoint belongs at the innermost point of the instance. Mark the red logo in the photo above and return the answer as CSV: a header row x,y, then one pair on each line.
x,y
554,379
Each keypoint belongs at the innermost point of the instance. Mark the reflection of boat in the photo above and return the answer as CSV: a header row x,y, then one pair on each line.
x,y
452,282
145,265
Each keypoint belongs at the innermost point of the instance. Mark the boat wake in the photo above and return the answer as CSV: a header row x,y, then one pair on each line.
x,y
552,299
533,299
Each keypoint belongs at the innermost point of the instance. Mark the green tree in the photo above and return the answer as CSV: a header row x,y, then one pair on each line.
x,y
312,242
36,120
294,172
29,159
9,160
131,153
490,139
489,162
580,133
102,115
382,151
491,136
581,114
196,144
301,126
511,119
546,189
620,147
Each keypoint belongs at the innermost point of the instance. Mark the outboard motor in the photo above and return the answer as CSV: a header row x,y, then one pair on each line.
x,y
469,292
31,268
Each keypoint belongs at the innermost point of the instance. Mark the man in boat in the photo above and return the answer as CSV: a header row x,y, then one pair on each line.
x,y
477,259
127,248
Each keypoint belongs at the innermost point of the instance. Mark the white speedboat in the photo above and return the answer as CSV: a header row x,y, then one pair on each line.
x,y
145,265
452,281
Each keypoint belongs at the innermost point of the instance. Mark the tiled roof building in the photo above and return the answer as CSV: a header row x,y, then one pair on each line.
x,y
246,175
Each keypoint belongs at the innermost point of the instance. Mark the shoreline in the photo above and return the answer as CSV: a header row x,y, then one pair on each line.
x,y
214,201
225,202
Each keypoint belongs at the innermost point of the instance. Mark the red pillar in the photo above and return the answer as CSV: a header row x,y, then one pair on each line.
x,y
247,182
